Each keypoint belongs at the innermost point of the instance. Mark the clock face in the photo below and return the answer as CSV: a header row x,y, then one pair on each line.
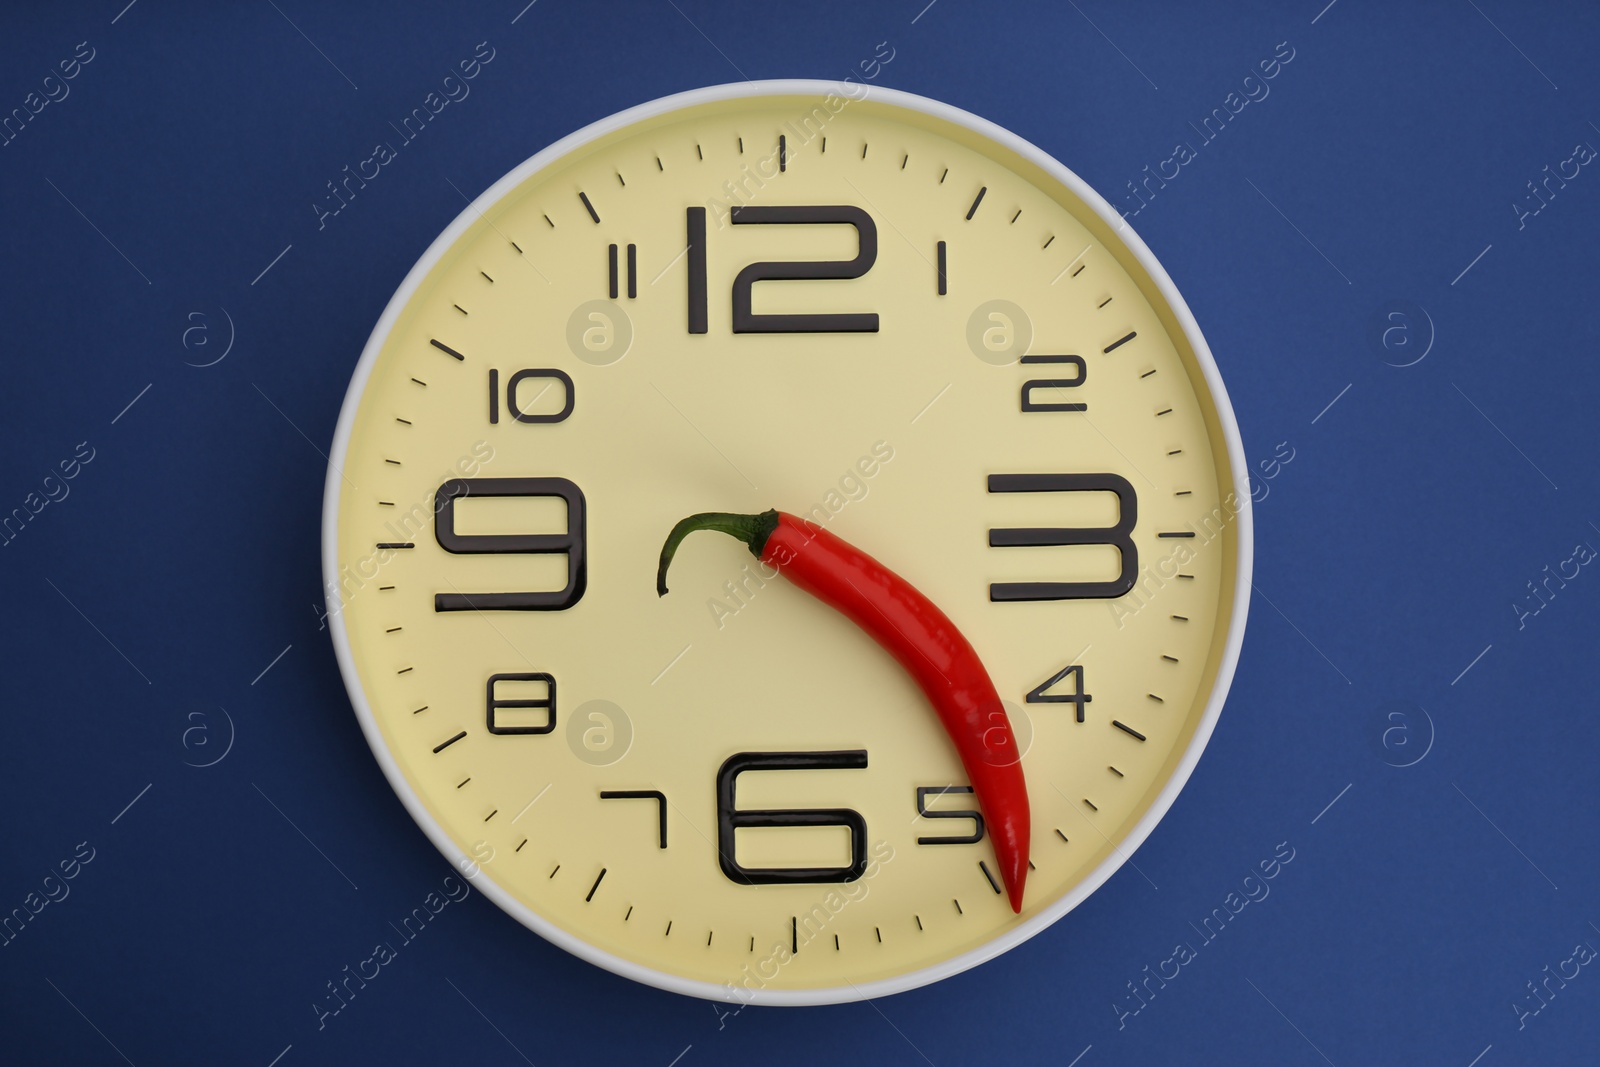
x,y
881,315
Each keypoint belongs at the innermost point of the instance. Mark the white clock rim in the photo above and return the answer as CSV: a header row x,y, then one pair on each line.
x,y
833,994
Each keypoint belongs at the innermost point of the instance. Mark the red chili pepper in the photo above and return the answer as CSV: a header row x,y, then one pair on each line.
x,y
913,630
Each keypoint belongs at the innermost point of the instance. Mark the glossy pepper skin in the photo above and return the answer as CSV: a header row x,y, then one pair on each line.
x,y
921,637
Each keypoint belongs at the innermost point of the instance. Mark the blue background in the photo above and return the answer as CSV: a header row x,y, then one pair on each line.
x,y
1391,550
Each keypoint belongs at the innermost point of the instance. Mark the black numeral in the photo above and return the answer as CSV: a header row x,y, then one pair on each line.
x,y
924,792
1118,536
633,270
1082,374
494,703
747,321
644,794
514,409
695,223
1037,694
731,819
572,543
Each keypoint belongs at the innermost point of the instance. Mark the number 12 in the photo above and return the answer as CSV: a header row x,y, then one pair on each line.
x,y
747,321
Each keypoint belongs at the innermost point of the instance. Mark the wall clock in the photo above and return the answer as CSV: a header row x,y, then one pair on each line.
x,y
901,326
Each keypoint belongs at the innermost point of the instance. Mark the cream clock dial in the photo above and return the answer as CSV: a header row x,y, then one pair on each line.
x,y
881,315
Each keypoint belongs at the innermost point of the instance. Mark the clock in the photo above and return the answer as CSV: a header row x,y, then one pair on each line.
x,y
921,339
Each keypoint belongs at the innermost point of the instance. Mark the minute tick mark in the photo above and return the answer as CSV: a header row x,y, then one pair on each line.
x,y
976,201
984,867
1119,342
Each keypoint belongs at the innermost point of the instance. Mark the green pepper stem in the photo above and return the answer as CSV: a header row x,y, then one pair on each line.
x,y
753,530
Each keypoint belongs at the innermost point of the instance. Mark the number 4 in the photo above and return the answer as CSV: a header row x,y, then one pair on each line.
x,y
1037,694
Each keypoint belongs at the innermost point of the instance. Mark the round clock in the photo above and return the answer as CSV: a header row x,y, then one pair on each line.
x,y
939,354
